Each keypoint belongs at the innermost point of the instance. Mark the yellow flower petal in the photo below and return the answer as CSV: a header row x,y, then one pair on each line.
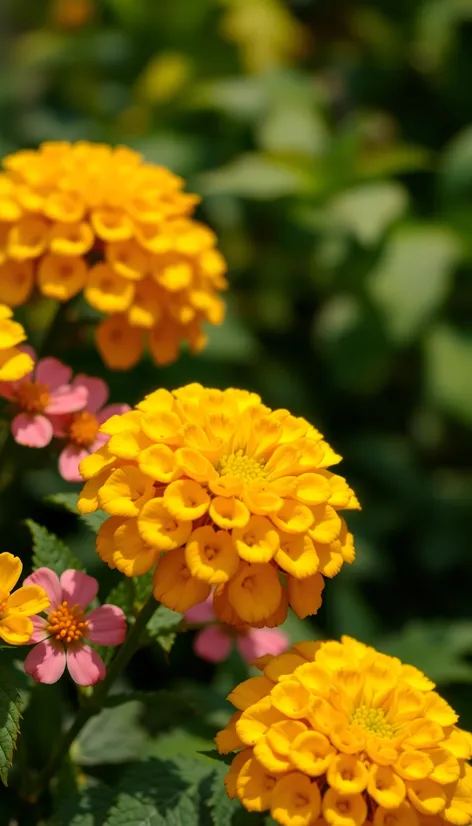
x,y
312,753
347,774
28,600
229,512
173,584
125,492
160,529
305,594
297,555
211,555
255,592
258,541
10,572
250,691
16,629
254,786
131,555
386,787
344,810
295,800
426,796
186,499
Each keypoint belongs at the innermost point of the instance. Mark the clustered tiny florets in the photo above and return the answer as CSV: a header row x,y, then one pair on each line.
x,y
225,497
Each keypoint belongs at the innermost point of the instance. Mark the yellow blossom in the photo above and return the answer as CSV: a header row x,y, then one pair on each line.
x,y
337,733
87,217
232,497
14,363
17,608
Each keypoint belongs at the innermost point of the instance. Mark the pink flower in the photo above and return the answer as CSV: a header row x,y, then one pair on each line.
x,y
61,636
40,395
81,429
214,643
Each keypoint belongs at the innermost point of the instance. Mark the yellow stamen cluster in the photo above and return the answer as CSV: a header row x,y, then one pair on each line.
x,y
67,623
337,733
14,363
226,496
88,217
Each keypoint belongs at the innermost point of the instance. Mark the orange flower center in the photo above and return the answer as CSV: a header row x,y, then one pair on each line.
x,y
32,396
83,428
67,624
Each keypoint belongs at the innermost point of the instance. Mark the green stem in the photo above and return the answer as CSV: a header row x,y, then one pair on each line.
x,y
95,702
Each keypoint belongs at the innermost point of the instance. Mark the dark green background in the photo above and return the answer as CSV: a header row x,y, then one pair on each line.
x,y
331,141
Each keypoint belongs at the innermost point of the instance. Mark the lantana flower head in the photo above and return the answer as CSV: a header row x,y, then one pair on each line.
x,y
61,637
15,363
39,397
17,608
215,641
228,497
87,217
337,733
81,429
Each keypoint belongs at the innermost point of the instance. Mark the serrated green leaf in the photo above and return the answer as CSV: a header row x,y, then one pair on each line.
x,y
143,587
89,808
64,500
10,704
94,521
222,809
163,627
49,551
154,793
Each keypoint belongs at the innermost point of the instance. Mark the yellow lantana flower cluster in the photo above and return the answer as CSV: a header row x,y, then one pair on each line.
x,y
14,363
337,733
226,496
88,217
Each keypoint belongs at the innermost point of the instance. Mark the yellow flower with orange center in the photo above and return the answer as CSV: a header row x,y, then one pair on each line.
x,y
337,733
14,363
87,217
227,497
16,608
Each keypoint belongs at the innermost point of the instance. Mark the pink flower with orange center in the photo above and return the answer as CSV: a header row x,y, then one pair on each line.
x,y
62,635
42,394
81,429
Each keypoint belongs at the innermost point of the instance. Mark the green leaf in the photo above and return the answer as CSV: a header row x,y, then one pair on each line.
x,y
163,627
222,809
455,176
143,587
413,278
123,595
89,808
448,353
114,736
366,211
49,551
10,704
436,648
254,176
69,502
154,793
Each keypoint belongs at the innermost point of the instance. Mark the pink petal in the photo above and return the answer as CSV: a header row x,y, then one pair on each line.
x,y
260,641
212,644
46,662
40,632
60,425
78,588
203,612
69,459
48,580
97,391
112,410
106,625
67,400
31,430
86,667
52,372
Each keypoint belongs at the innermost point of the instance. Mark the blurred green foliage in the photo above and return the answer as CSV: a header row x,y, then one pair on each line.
x,y
332,143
